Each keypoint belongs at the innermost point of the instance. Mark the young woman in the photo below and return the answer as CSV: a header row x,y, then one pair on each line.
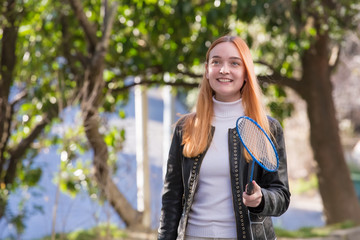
x,y
204,194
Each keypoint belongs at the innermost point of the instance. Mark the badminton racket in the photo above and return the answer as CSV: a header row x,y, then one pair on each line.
x,y
259,145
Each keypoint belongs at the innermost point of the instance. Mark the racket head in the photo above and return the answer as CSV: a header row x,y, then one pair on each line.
x,y
257,143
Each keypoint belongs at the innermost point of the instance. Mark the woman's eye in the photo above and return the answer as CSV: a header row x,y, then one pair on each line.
x,y
235,63
215,62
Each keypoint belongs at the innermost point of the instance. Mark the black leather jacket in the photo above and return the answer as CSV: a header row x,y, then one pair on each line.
x,y
183,174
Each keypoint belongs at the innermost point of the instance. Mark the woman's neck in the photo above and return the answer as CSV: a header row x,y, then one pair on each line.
x,y
228,109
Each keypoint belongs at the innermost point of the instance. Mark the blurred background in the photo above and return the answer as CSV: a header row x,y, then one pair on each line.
x,y
90,91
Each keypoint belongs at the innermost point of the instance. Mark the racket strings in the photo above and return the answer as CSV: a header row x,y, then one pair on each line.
x,y
258,144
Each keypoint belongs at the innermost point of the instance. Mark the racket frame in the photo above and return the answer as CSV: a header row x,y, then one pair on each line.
x,y
250,185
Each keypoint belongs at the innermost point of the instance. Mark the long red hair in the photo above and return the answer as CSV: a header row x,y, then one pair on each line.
x,y
197,126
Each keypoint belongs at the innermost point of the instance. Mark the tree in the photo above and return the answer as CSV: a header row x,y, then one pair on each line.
x,y
313,32
141,55
19,132
92,86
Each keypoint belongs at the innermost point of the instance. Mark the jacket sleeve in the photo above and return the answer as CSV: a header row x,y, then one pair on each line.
x,y
274,185
172,191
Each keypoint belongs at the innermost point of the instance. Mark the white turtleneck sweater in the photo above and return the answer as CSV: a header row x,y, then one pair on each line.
x,y
212,212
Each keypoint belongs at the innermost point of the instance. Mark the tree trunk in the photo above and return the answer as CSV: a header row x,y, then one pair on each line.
x,y
91,100
108,188
9,162
7,65
335,185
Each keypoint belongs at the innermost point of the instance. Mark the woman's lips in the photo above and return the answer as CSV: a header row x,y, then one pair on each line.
x,y
224,80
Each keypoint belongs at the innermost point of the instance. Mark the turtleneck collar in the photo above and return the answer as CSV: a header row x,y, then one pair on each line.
x,y
228,109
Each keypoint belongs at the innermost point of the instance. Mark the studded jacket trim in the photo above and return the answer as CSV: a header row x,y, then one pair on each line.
x,y
182,178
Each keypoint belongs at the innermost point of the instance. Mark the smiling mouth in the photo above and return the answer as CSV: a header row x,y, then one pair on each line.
x,y
224,80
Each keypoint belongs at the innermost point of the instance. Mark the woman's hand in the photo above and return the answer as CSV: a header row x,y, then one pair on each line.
x,y
254,199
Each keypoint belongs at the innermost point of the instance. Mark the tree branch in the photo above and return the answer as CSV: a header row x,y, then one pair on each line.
x,y
66,45
8,47
149,82
18,97
17,152
108,23
190,74
89,29
277,78
5,124
334,57
102,47
280,80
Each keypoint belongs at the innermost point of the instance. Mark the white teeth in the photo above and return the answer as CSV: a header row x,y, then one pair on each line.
x,y
224,80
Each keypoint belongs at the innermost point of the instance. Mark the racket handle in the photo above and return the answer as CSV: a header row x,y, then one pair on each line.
x,y
250,188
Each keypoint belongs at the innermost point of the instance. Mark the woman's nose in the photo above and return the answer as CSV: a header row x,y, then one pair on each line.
x,y
224,69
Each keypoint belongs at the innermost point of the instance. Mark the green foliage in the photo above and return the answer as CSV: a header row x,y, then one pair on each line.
x,y
18,216
280,107
99,232
18,222
75,173
31,178
310,232
113,232
114,139
75,177
302,186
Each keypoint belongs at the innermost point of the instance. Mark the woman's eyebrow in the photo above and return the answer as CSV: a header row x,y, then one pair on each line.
x,y
236,58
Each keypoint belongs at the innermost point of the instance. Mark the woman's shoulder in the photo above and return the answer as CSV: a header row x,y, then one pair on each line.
x,y
184,119
274,123
272,119
180,125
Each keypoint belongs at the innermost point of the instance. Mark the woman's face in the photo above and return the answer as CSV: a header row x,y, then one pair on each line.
x,y
225,72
